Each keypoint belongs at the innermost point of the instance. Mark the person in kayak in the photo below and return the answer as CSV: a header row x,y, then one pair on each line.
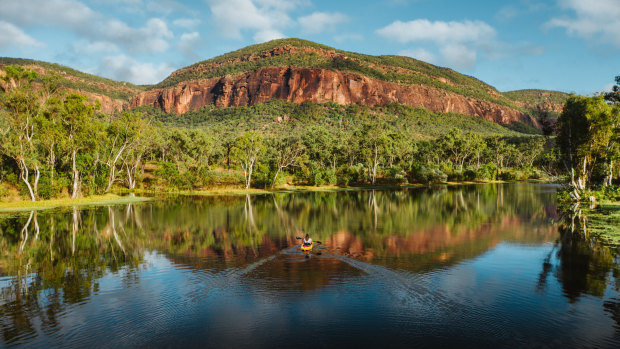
x,y
307,241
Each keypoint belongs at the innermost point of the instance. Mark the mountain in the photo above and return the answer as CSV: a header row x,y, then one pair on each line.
x,y
297,71
113,95
538,99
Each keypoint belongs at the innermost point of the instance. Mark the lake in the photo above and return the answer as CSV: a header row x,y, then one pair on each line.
x,y
490,265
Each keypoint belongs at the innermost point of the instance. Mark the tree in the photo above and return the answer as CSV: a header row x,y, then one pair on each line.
x,y
119,135
458,146
500,151
585,129
614,95
287,152
373,142
78,132
139,145
21,108
247,150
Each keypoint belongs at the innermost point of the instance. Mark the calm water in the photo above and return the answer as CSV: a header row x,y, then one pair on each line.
x,y
472,266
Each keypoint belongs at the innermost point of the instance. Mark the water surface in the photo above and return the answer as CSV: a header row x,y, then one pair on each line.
x,y
470,266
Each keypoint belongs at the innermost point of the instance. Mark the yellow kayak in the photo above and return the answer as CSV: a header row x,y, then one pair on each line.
x,y
306,248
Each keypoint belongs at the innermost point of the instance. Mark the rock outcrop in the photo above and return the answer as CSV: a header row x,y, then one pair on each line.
x,y
318,85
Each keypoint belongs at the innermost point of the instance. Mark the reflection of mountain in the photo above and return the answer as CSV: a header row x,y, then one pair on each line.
x,y
440,246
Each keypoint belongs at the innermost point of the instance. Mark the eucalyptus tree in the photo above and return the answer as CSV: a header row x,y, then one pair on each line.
x,y
119,135
247,150
287,152
79,133
585,130
141,142
459,146
373,142
20,110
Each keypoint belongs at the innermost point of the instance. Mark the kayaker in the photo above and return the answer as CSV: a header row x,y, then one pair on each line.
x,y
307,240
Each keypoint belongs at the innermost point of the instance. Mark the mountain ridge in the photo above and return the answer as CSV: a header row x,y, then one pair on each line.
x,y
303,71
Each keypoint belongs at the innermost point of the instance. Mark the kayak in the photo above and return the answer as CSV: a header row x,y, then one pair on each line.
x,y
306,248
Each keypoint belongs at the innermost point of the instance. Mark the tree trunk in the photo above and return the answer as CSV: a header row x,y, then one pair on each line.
x,y
273,183
249,174
37,176
112,175
74,170
23,169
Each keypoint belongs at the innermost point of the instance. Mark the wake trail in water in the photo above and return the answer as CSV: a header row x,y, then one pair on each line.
x,y
407,288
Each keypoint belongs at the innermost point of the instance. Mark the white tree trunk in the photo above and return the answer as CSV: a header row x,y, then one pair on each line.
x,y
24,175
74,193
112,175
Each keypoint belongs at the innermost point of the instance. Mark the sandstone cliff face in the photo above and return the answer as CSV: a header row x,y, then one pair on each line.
x,y
317,85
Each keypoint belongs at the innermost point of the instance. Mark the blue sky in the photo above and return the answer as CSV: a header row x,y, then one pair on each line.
x,y
566,45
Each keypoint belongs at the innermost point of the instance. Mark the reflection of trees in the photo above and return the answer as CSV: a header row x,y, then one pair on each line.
x,y
584,266
55,259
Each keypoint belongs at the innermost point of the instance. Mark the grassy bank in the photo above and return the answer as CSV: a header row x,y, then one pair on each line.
x,y
108,199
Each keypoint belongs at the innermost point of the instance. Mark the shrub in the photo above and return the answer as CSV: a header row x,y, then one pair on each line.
x,y
347,175
222,178
396,174
488,172
425,175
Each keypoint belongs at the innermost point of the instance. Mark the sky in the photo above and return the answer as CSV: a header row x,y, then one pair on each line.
x,y
564,45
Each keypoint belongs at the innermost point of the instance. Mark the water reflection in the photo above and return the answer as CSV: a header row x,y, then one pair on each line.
x,y
53,260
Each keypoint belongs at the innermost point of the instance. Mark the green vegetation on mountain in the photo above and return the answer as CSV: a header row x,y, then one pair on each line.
x,y
537,97
276,115
307,54
77,80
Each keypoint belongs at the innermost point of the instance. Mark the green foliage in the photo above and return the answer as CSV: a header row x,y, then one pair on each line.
x,y
587,135
537,97
426,175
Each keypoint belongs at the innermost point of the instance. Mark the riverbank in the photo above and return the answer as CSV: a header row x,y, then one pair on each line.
x,y
108,199
112,199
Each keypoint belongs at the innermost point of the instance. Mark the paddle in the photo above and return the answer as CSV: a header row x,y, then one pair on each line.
x,y
316,242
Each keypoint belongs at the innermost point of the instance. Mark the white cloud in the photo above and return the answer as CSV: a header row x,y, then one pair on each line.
x,y
459,56
267,35
10,35
188,43
87,47
318,22
187,23
457,42
593,19
419,54
64,13
438,31
125,68
265,18
78,18
150,38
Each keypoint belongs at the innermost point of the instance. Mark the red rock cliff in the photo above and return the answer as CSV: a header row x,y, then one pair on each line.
x,y
318,85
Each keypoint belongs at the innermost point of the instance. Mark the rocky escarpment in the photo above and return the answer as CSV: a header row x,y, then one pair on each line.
x,y
318,85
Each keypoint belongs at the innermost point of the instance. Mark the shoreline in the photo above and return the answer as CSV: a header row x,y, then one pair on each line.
x,y
111,199
107,199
